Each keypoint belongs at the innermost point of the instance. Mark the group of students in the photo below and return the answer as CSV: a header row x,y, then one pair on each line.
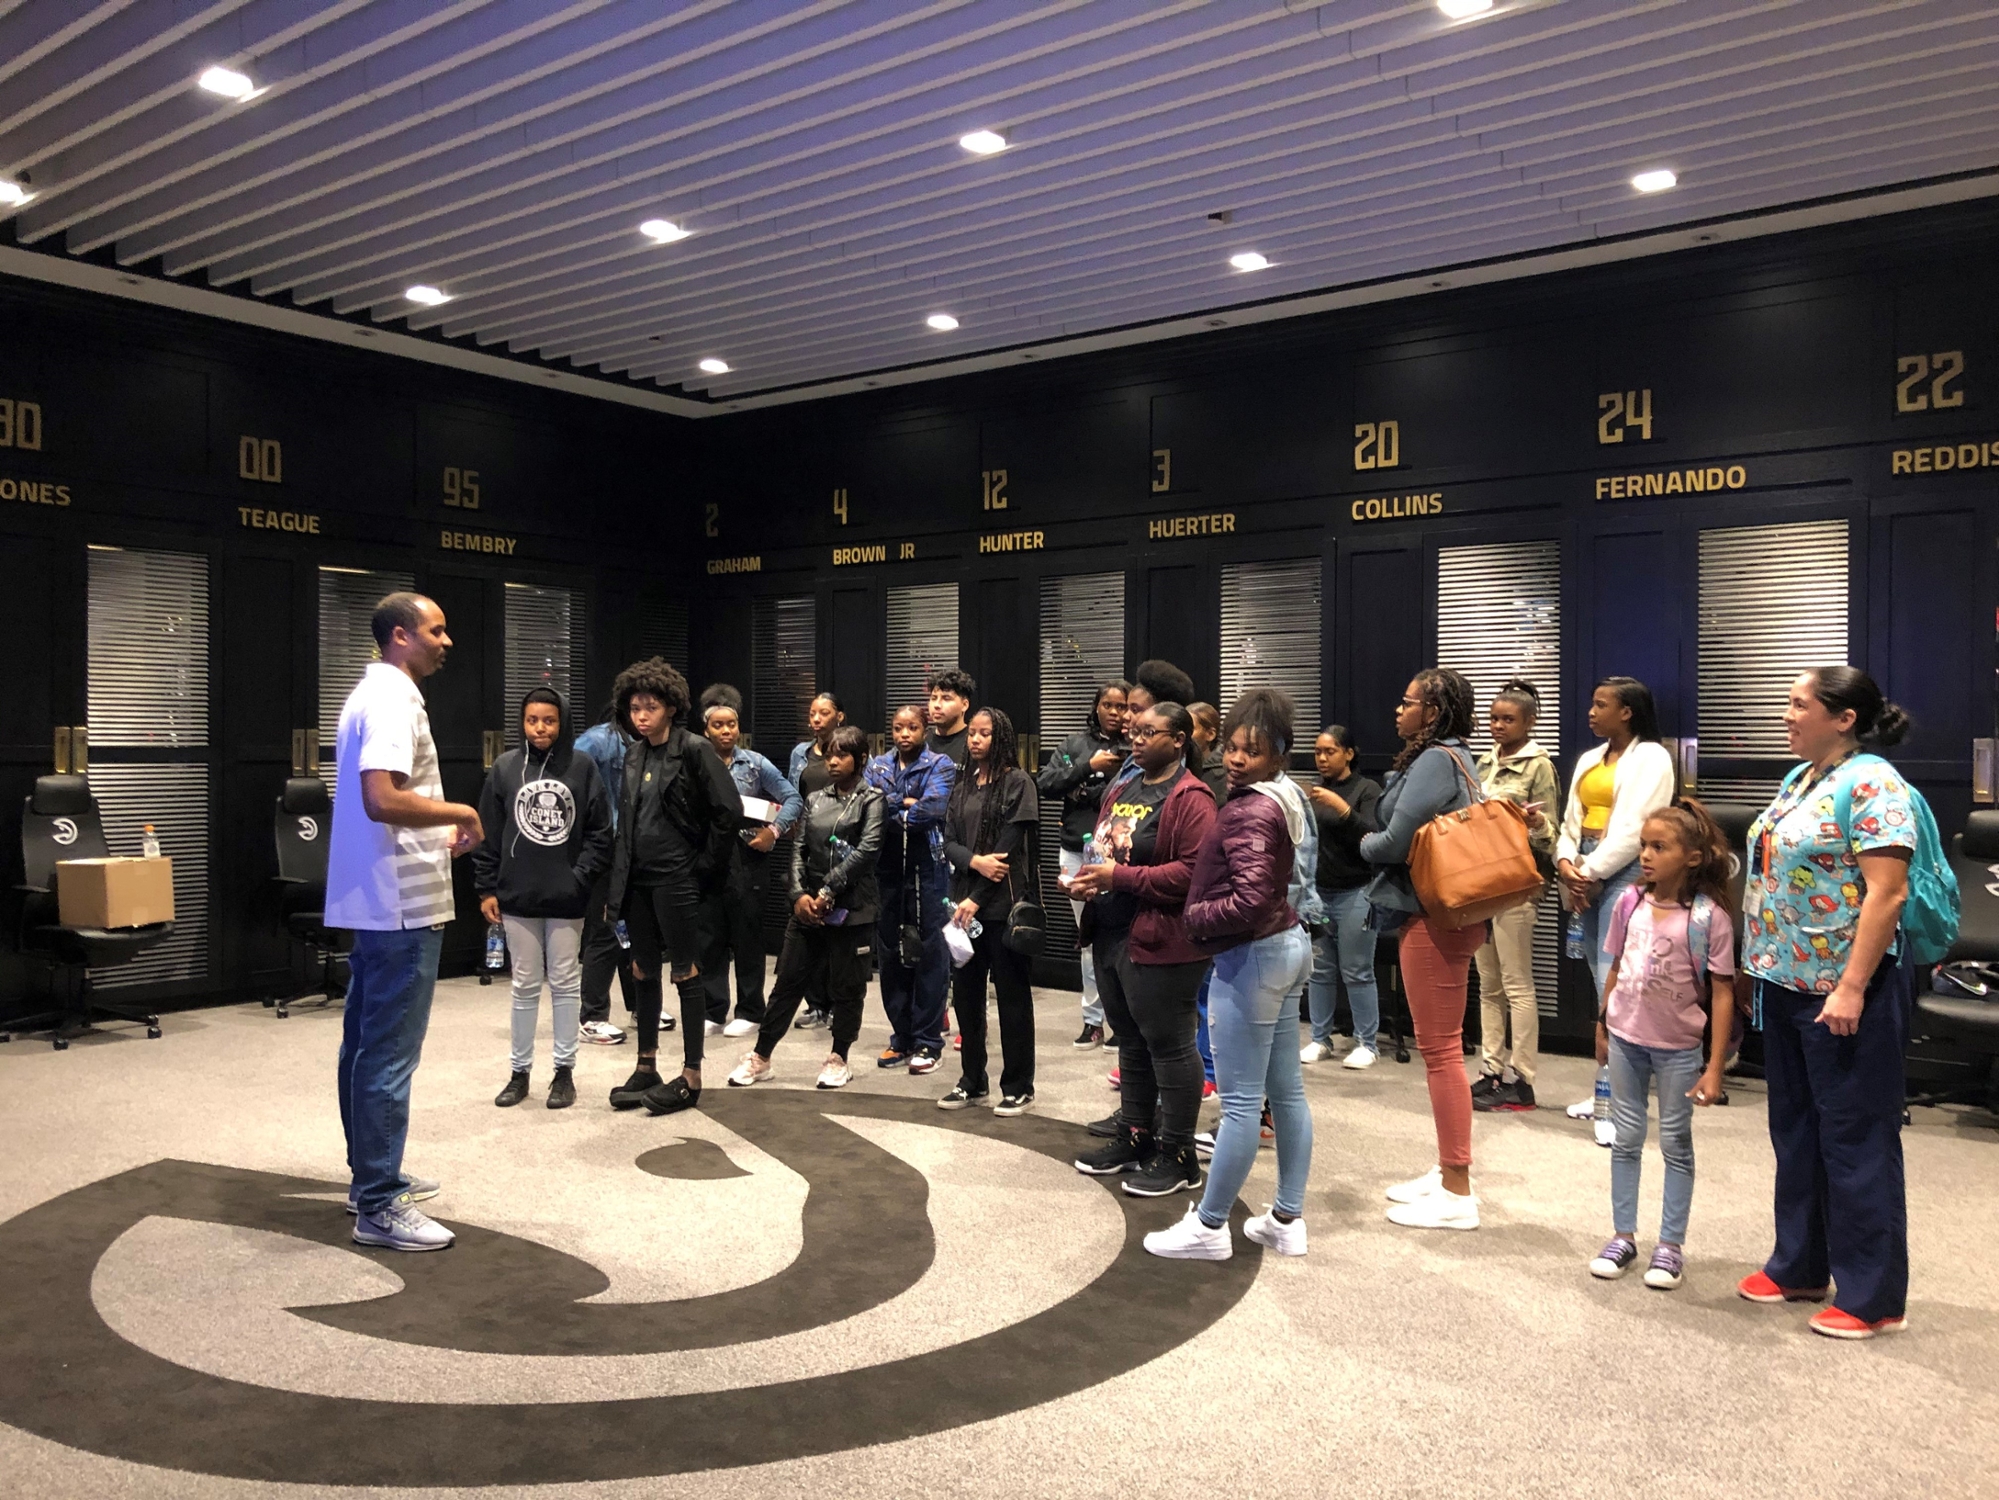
x,y
1213,895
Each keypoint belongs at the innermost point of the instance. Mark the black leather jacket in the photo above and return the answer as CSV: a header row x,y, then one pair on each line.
x,y
700,799
856,819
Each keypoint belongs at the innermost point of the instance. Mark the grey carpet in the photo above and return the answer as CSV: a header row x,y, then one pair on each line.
x,y
667,1307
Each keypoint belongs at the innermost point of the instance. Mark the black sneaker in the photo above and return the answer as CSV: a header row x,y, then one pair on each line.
x,y
1509,1098
1167,1172
631,1093
515,1091
1487,1084
562,1089
960,1097
1125,1152
1110,1127
1089,1036
1014,1104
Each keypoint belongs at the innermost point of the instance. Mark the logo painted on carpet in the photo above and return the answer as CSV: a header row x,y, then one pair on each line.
x,y
866,1237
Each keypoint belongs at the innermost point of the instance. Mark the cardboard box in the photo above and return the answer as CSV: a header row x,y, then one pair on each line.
x,y
114,892
759,810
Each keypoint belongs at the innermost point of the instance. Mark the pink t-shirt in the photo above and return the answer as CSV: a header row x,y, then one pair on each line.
x,y
1657,1000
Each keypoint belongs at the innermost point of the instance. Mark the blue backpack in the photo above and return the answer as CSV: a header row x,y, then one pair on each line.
x,y
1929,917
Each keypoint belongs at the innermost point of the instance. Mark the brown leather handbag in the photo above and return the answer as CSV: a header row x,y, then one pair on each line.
x,y
1473,863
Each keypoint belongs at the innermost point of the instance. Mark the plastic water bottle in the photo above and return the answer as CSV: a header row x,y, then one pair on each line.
x,y
1577,947
623,934
496,947
149,843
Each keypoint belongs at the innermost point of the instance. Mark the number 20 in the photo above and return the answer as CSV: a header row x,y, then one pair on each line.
x,y
1379,445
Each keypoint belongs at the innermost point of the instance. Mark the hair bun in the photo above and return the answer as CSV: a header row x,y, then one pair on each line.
x,y
1521,685
1890,725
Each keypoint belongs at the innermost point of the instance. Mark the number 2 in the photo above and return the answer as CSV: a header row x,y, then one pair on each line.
x,y
709,525
1940,370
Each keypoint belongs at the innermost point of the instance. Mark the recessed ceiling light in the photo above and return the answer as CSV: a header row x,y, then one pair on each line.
x,y
12,194
983,142
712,366
1248,260
429,296
1655,181
664,230
942,322
228,83
1464,10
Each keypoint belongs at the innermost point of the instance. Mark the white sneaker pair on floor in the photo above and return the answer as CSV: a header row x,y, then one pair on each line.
x,y
1190,1239
1423,1203
739,1027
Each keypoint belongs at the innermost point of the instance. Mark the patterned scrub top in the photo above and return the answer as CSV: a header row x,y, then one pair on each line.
x,y
1801,903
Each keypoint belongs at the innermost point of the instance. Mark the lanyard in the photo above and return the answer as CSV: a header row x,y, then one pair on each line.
x,y
1785,805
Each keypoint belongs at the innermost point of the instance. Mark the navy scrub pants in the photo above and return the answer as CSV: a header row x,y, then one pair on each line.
x,y
1836,1124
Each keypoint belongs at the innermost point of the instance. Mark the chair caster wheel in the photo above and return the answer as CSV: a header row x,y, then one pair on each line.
x,y
284,1014
62,1044
153,1032
268,1002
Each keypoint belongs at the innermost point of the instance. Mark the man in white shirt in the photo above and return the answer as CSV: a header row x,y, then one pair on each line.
x,y
388,880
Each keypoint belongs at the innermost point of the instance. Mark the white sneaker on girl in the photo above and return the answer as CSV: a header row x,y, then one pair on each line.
x,y
1270,1231
1417,1188
1441,1210
1190,1239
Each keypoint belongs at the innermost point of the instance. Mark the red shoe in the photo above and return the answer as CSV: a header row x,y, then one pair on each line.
x,y
1117,1078
1756,1287
1835,1324
958,1042
1208,1089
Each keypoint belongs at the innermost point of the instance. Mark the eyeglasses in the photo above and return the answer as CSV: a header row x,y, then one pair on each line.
x,y
1410,703
1140,732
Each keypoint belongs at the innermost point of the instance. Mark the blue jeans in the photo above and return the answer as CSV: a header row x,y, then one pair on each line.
x,y
1596,917
1070,861
1672,1071
1346,950
1253,1019
393,975
1203,1043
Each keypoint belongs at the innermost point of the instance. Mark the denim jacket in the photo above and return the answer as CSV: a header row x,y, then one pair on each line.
x,y
606,744
755,776
928,779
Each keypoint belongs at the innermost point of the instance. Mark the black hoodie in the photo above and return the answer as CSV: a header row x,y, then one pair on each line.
x,y
547,816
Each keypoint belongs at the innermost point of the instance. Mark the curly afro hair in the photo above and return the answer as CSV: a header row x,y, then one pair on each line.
x,y
657,678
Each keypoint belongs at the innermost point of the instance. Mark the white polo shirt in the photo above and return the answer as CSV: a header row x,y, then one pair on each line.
x,y
379,877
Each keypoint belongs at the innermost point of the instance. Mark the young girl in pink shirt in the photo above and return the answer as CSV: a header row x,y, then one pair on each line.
x,y
1670,984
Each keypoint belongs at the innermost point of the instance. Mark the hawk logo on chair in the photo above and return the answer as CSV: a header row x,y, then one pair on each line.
x,y
308,828
545,811
63,831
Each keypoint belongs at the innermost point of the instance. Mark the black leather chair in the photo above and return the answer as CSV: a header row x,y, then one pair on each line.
x,y
1970,1022
303,827
60,821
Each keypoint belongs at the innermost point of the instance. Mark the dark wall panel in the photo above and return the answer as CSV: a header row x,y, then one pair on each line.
x,y
855,653
1380,645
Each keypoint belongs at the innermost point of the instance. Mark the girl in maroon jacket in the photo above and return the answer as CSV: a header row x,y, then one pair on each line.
x,y
1242,905
1150,824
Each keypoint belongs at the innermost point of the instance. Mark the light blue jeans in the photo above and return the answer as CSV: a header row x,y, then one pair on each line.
x,y
1596,917
548,948
1345,950
392,976
1672,1071
1253,1021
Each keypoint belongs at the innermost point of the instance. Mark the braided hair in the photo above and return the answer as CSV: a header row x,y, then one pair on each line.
x,y
1445,691
1000,759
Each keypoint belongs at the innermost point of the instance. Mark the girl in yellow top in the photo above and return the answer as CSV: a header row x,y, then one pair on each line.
x,y
1616,786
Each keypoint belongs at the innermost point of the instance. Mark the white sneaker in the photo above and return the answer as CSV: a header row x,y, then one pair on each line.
x,y
1190,1239
1418,1188
1606,1132
401,1226
740,1027
714,1028
836,1074
747,1072
603,1033
1582,1109
1204,1144
1313,1052
1440,1210
1267,1229
1360,1057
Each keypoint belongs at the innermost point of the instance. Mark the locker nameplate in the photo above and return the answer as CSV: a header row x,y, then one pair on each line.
x,y
34,492
301,522
1704,480
719,565
1398,507
478,541
1170,527
1013,541
1944,458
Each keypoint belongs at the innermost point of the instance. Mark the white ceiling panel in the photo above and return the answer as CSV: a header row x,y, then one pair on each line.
x,y
506,151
